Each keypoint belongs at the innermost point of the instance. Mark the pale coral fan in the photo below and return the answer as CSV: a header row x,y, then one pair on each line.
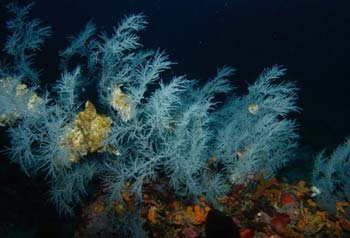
x,y
330,178
153,127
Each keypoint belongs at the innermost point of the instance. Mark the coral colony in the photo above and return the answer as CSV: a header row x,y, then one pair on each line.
x,y
148,134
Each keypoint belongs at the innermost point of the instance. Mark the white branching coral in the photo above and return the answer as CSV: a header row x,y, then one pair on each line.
x,y
163,127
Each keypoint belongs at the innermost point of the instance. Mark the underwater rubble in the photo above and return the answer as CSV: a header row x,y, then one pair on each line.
x,y
260,208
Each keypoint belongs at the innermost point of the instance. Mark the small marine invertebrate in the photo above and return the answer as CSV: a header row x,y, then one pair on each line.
x,y
315,191
19,100
152,214
122,103
288,198
253,108
86,133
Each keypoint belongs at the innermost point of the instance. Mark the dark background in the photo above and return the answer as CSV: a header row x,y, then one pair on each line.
x,y
309,37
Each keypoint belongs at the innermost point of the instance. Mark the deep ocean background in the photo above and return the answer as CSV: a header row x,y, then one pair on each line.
x,y
311,38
